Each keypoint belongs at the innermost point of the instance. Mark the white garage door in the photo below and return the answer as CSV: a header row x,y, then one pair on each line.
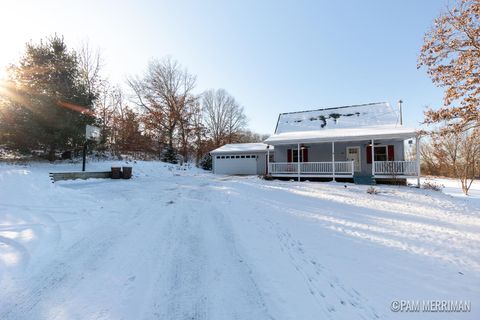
x,y
235,164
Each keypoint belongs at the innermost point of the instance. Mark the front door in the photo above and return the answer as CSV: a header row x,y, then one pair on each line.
x,y
353,154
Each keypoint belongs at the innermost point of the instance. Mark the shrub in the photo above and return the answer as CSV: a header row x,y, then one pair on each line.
x,y
206,162
266,177
432,185
169,155
373,190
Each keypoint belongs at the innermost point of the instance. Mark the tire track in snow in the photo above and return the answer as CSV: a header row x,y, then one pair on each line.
x,y
206,278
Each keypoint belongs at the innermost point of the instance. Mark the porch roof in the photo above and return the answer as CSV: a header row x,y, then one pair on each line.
x,y
350,134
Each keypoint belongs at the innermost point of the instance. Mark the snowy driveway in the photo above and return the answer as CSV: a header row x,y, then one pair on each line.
x,y
186,245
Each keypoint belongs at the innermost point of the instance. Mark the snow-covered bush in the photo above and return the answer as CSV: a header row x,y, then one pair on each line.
x,y
432,185
373,190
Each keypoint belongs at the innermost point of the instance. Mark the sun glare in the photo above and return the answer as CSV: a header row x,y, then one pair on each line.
x,y
2,75
2,85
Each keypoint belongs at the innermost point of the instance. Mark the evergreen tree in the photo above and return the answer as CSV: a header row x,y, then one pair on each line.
x,y
48,106
206,162
169,154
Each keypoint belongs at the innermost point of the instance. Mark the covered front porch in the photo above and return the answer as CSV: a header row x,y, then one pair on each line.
x,y
375,158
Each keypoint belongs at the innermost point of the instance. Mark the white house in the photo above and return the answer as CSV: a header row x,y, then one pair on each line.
x,y
361,143
337,143
241,159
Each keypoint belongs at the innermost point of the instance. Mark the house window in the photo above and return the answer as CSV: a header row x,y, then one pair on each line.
x,y
380,153
242,157
294,155
218,157
248,157
227,157
223,157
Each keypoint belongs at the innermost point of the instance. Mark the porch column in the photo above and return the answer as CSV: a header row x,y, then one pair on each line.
x,y
333,160
268,159
373,157
417,156
298,160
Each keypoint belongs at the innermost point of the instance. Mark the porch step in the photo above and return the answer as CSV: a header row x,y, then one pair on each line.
x,y
367,179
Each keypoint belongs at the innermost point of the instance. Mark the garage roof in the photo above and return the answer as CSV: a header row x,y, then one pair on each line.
x,y
352,134
241,148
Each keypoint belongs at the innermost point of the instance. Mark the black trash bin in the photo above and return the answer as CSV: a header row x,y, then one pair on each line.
x,y
127,172
116,172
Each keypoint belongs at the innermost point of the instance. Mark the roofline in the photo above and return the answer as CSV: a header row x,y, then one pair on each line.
x,y
278,120
331,108
239,151
328,108
218,150
380,136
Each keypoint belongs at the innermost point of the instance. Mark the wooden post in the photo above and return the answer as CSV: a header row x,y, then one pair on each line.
x,y
373,157
417,147
333,160
298,160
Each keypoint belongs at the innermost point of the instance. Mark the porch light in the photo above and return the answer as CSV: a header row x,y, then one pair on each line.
x,y
369,144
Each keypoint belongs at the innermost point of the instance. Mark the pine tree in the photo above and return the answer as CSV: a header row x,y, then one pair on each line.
x,y
48,107
206,162
169,154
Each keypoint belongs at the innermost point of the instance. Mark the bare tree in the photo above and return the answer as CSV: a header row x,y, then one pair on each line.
x,y
430,164
454,154
468,166
90,66
248,136
451,54
188,121
224,117
164,92
199,132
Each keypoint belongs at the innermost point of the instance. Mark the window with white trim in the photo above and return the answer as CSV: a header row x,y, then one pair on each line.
x,y
380,153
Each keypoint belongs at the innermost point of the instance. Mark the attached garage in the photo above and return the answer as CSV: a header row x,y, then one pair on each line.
x,y
240,159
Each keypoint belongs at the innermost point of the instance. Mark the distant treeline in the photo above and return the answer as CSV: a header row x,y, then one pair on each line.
x,y
53,92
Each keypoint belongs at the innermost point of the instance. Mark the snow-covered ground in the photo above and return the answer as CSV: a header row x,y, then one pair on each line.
x,y
175,244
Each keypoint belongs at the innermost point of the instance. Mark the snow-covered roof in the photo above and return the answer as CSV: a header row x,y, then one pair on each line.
x,y
340,134
355,116
241,148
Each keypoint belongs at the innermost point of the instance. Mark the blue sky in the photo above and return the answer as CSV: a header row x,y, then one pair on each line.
x,y
273,56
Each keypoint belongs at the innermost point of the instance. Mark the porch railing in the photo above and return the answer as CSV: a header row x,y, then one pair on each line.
x,y
342,168
396,168
312,168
